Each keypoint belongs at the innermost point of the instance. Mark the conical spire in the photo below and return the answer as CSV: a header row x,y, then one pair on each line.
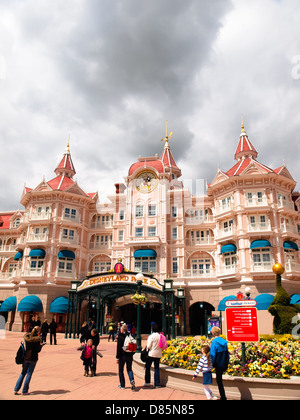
x,y
167,158
245,148
66,167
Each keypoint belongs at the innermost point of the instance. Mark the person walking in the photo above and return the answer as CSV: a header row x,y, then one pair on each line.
x,y
123,358
220,358
154,356
44,330
53,327
206,367
32,347
96,340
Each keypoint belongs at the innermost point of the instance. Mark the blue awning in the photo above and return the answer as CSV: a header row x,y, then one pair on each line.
x,y
65,253
30,303
264,301
145,253
9,304
228,248
295,299
18,255
37,253
290,245
260,243
222,306
59,305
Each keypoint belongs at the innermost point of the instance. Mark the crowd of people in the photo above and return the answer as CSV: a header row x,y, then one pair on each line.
x,y
214,356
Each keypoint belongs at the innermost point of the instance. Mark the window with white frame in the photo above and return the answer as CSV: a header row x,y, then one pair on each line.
x,y
70,213
101,266
65,265
139,211
152,231
122,215
139,232
201,266
261,258
68,234
175,265
174,233
174,211
145,264
151,210
36,263
229,259
121,235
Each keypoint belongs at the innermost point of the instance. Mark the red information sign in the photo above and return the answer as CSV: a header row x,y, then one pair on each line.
x,y
242,324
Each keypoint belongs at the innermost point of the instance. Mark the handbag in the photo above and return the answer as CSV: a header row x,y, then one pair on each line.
x,y
144,355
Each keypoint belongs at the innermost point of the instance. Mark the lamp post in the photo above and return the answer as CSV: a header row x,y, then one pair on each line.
x,y
181,297
71,307
169,298
139,280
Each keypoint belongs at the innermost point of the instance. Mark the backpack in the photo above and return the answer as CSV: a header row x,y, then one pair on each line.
x,y
163,342
20,356
129,344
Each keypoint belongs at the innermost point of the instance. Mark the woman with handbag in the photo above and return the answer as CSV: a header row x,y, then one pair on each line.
x,y
154,356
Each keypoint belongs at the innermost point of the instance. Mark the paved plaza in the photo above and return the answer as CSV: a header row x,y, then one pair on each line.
x,y
59,375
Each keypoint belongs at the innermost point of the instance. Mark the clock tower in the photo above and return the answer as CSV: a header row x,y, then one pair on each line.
x,y
149,186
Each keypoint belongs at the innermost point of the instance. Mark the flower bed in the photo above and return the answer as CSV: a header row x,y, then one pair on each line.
x,y
272,357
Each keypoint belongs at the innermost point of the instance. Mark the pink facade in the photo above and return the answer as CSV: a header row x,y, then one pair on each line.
x,y
215,243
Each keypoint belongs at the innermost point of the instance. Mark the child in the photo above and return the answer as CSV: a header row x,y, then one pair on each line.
x,y
86,357
206,367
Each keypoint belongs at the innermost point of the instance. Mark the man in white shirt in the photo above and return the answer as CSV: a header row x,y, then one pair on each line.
x,y
154,355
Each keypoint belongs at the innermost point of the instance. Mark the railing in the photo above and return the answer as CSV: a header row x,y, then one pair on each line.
x,y
227,270
102,225
231,230
262,266
99,245
286,227
34,272
200,241
223,208
199,220
256,227
285,203
205,272
7,248
39,237
292,266
256,202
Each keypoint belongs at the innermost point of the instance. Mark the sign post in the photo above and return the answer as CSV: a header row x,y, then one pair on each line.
x,y
242,322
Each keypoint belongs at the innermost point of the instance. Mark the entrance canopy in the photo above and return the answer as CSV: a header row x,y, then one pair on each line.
x,y
30,304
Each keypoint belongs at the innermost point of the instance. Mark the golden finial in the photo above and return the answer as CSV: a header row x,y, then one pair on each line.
x,y
68,145
243,128
168,136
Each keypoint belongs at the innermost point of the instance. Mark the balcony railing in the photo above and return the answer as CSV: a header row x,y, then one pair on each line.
x,y
205,272
34,272
292,266
229,231
102,225
198,220
223,208
100,245
256,202
285,203
7,248
287,228
227,270
210,240
39,237
257,227
262,266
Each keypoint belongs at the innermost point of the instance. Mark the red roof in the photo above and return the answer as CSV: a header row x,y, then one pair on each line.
x,y
155,164
5,220
61,183
66,163
242,164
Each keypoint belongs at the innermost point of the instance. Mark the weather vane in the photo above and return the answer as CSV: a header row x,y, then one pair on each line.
x,y
168,136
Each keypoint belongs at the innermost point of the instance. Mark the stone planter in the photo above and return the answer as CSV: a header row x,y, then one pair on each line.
x,y
236,388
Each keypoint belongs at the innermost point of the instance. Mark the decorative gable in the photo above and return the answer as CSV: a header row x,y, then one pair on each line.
x,y
220,176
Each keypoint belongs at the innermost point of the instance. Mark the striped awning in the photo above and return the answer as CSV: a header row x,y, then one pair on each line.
x,y
30,303
228,248
9,304
65,253
145,253
260,243
37,253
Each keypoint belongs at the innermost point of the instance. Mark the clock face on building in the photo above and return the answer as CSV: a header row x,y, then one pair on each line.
x,y
146,182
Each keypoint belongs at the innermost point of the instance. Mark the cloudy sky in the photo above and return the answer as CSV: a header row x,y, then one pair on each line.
x,y
109,73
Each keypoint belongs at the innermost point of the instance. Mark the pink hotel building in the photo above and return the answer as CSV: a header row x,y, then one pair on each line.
x,y
213,244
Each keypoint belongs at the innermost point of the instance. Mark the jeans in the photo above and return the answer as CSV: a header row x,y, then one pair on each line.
x,y
156,370
219,373
128,360
27,370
